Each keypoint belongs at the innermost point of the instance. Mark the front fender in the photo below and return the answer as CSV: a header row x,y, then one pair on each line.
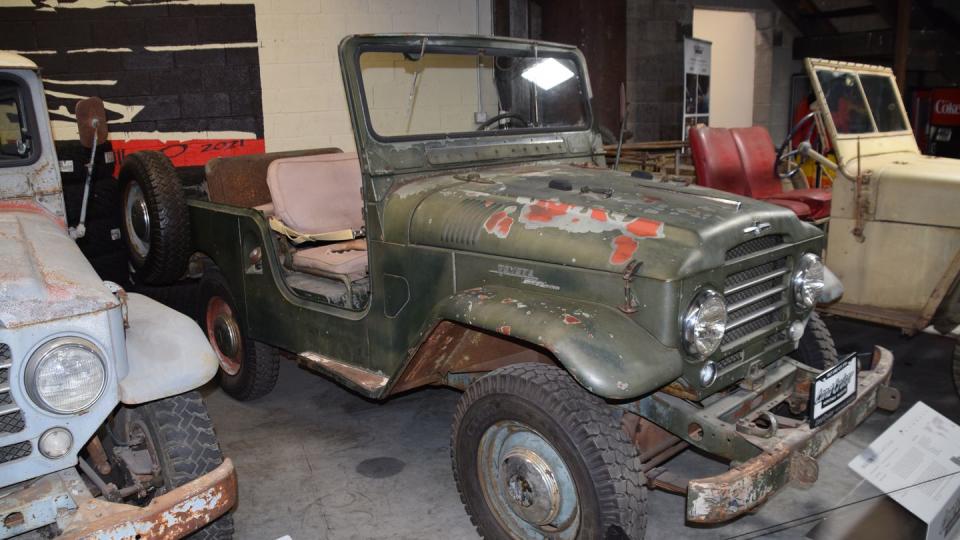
x,y
604,350
167,353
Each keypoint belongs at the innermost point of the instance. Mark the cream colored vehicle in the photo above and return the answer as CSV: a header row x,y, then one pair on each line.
x,y
894,230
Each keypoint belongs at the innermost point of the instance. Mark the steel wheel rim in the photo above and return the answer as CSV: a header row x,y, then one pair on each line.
x,y
526,483
223,332
136,220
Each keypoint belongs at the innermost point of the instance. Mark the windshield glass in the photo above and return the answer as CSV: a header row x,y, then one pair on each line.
x,y
464,93
14,137
844,92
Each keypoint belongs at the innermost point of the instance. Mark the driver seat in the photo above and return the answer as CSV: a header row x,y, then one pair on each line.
x,y
742,161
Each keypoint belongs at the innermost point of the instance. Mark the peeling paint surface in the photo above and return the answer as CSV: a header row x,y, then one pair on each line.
x,y
43,274
605,220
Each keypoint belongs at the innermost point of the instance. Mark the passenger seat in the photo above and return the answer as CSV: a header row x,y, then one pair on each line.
x,y
318,198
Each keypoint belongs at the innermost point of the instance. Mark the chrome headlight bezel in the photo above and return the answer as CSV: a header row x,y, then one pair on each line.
x,y
44,353
808,281
702,302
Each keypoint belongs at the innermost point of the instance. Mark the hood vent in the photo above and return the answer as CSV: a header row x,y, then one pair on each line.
x,y
464,223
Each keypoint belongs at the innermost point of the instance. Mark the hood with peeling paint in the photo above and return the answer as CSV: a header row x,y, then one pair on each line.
x,y
43,274
586,217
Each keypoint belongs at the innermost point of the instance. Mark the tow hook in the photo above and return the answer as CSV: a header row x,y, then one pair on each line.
x,y
765,425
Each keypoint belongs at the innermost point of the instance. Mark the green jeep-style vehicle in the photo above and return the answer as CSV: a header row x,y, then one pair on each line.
x,y
599,323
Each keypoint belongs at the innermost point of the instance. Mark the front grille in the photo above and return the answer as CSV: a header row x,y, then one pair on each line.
x,y
15,451
754,245
755,297
11,419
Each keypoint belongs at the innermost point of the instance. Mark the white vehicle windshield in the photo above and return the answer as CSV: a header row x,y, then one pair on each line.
x,y
14,132
462,92
862,102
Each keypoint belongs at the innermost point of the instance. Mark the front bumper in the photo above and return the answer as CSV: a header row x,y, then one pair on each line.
x,y
787,456
63,497
764,459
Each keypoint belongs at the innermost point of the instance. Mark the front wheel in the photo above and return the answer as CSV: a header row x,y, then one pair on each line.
x,y
177,435
535,455
816,348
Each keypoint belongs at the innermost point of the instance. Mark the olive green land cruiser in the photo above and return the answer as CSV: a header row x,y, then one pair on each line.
x,y
598,323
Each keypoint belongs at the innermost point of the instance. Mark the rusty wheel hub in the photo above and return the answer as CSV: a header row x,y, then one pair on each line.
x,y
224,335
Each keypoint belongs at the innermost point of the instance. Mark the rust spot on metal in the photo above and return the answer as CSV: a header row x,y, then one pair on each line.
x,y
172,515
570,319
498,224
623,249
368,380
455,348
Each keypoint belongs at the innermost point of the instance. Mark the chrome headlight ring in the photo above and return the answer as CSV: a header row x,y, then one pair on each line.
x,y
808,281
704,323
66,375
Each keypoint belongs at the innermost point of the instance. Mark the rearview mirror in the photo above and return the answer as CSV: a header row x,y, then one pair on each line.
x,y
91,121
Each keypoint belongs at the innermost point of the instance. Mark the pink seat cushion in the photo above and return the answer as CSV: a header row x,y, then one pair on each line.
x,y
329,260
317,194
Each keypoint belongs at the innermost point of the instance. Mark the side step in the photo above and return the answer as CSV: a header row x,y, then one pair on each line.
x,y
364,379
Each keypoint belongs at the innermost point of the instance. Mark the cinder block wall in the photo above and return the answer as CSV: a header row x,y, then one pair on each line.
x,y
655,32
303,101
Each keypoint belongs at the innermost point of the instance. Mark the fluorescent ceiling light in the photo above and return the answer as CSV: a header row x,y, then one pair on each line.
x,y
547,73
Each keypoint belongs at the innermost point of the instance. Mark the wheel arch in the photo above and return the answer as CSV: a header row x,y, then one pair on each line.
x,y
482,329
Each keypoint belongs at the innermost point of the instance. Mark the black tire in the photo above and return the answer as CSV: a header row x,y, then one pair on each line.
x,y
817,349
181,296
185,444
584,431
159,251
956,367
252,369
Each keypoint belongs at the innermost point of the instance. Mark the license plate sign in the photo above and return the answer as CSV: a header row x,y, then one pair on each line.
x,y
833,390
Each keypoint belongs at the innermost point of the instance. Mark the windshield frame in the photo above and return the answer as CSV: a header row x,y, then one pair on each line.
x,y
850,146
28,118
816,66
465,50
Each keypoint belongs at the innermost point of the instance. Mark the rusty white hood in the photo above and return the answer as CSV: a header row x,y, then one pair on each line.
x,y
43,274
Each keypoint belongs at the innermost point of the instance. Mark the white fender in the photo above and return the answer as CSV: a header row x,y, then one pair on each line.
x,y
167,353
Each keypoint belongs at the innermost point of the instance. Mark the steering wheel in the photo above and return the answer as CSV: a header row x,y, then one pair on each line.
x,y
511,116
790,160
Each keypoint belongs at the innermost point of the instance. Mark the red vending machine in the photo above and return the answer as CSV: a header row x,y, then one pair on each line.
x,y
936,120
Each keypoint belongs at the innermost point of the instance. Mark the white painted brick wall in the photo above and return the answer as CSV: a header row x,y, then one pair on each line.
x,y
303,101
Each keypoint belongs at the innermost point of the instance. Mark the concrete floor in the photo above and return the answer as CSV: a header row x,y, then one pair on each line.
x,y
316,461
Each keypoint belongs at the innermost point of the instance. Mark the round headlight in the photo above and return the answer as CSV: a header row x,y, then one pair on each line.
x,y
66,375
705,323
808,281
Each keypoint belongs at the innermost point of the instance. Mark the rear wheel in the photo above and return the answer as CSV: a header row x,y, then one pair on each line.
x,y
155,224
956,367
248,369
535,455
177,436
816,349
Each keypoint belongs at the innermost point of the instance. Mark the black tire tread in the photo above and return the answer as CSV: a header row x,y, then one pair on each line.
x,y
817,348
956,367
592,424
169,217
189,449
